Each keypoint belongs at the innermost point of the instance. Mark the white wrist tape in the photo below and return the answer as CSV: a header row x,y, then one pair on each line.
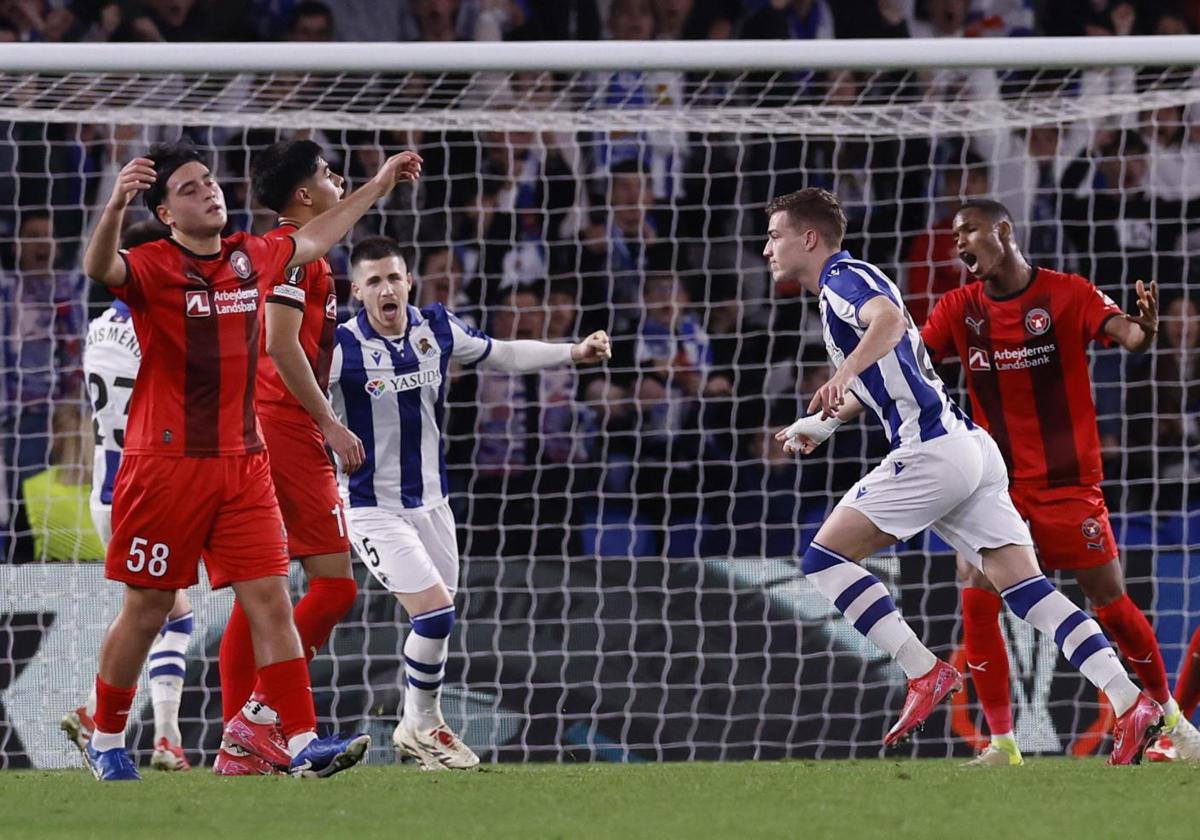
x,y
813,428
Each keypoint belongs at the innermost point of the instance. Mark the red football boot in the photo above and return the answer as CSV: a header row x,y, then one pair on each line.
x,y
234,761
924,693
261,739
1134,730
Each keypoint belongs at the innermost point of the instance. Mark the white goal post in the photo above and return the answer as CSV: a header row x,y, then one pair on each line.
x,y
629,589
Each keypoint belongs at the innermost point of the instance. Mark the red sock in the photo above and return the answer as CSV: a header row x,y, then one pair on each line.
x,y
236,663
286,689
1187,688
1132,632
112,707
987,658
318,612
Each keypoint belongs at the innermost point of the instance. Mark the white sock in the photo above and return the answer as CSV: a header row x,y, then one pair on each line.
x,y
257,711
298,742
165,694
104,741
424,668
1082,641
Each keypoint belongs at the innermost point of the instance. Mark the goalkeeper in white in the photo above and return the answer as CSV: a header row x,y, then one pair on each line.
x,y
943,472
388,384
111,359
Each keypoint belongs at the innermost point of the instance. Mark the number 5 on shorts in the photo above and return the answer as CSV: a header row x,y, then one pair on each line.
x,y
156,566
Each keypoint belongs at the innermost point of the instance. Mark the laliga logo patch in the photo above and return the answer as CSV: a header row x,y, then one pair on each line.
x,y
376,388
1037,321
240,263
196,304
331,307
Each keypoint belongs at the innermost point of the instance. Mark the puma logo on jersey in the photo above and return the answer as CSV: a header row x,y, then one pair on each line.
x,y
975,324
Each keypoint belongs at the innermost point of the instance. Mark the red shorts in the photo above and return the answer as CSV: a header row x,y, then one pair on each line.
x,y
169,512
1069,525
306,487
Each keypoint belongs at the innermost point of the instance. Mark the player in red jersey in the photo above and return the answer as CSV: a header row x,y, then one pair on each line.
x,y
195,480
1022,335
293,179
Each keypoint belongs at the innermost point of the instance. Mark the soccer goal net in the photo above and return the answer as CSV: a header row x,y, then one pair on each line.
x,y
629,588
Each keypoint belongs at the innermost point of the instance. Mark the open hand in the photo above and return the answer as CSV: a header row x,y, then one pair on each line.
x,y
1147,303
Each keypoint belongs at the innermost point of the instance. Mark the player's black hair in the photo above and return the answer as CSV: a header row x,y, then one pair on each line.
x,y
376,248
989,208
139,233
280,168
816,207
167,158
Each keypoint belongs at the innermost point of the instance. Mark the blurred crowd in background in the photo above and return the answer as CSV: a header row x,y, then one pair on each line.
x,y
654,236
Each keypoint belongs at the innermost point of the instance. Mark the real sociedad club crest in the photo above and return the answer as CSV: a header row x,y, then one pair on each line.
x,y
425,347
1037,321
240,263
376,388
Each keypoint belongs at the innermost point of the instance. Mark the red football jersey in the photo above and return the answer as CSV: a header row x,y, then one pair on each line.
x,y
1025,359
310,289
198,319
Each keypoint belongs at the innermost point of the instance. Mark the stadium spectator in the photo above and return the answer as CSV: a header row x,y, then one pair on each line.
x,y
313,22
1162,411
531,434
37,20
558,20
676,20
56,498
934,267
183,20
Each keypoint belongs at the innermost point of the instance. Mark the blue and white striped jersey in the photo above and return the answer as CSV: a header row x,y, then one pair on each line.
x,y
111,358
901,388
391,392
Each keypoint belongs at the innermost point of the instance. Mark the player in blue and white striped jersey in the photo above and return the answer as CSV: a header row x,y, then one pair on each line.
x,y
111,358
388,384
943,472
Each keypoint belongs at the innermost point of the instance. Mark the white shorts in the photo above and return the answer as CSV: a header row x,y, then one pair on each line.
x,y
407,552
957,485
102,519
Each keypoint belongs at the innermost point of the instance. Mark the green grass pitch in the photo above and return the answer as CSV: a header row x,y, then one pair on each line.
x,y
1057,799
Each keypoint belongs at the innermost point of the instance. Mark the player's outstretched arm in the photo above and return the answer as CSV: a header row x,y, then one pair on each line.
x,y
886,325
285,350
525,356
314,240
1136,332
807,433
101,262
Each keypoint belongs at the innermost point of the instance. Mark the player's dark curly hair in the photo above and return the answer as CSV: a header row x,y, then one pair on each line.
x,y
280,168
815,207
167,158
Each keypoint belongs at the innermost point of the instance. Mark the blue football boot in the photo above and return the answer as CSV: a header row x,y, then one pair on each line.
x,y
111,765
329,755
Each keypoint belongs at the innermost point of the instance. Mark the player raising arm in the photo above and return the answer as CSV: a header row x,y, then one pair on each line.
x,y
1022,334
111,359
389,386
195,479
943,472
293,179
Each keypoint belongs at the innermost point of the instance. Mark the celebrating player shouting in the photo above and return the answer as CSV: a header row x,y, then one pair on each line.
x,y
1022,335
942,472
293,179
389,386
195,478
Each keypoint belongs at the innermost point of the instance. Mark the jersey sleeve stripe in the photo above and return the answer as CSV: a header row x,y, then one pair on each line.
x,y
359,417
294,304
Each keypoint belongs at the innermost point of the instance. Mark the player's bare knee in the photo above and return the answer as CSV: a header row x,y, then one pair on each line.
x,y
147,609
1103,585
1009,564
